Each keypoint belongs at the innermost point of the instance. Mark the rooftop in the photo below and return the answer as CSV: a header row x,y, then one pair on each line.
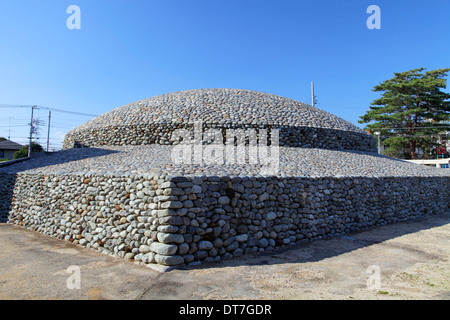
x,y
10,145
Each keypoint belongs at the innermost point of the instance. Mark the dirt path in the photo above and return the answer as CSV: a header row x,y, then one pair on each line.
x,y
407,260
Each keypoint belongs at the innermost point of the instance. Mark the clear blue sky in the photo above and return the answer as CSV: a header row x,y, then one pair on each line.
x,y
129,50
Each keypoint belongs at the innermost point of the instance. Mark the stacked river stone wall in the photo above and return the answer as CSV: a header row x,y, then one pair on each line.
x,y
185,220
301,137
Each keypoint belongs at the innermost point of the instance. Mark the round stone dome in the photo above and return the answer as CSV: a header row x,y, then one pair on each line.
x,y
153,120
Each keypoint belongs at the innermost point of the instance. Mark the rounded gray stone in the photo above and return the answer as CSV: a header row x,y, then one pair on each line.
x,y
170,238
224,200
163,248
263,243
144,248
205,245
241,238
183,248
270,216
169,260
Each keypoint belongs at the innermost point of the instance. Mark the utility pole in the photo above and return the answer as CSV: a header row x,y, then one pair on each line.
x,y
48,133
31,130
313,96
379,141
9,131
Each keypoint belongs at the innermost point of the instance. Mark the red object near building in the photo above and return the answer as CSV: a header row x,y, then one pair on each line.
x,y
441,150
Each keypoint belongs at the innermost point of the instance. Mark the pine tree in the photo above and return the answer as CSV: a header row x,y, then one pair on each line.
x,y
412,111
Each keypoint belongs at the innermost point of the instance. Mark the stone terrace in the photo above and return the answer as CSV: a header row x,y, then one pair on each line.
x,y
127,195
132,202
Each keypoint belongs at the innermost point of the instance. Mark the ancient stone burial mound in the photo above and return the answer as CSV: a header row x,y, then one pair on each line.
x,y
203,175
153,120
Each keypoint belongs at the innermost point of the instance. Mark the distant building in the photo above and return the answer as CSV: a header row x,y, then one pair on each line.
x,y
419,152
438,163
7,149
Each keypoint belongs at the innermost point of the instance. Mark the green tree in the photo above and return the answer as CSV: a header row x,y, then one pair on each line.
x,y
23,152
412,111
2,139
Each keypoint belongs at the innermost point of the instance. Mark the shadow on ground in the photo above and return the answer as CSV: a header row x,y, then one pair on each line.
x,y
351,241
412,256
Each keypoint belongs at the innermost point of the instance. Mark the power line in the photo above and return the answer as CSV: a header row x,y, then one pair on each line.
x,y
15,125
47,108
13,106
70,112
35,138
34,124
48,134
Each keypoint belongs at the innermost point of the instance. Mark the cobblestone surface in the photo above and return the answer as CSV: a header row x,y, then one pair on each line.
x,y
157,159
153,120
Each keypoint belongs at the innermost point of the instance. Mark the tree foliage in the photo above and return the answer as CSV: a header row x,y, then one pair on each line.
x,y
23,152
412,112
